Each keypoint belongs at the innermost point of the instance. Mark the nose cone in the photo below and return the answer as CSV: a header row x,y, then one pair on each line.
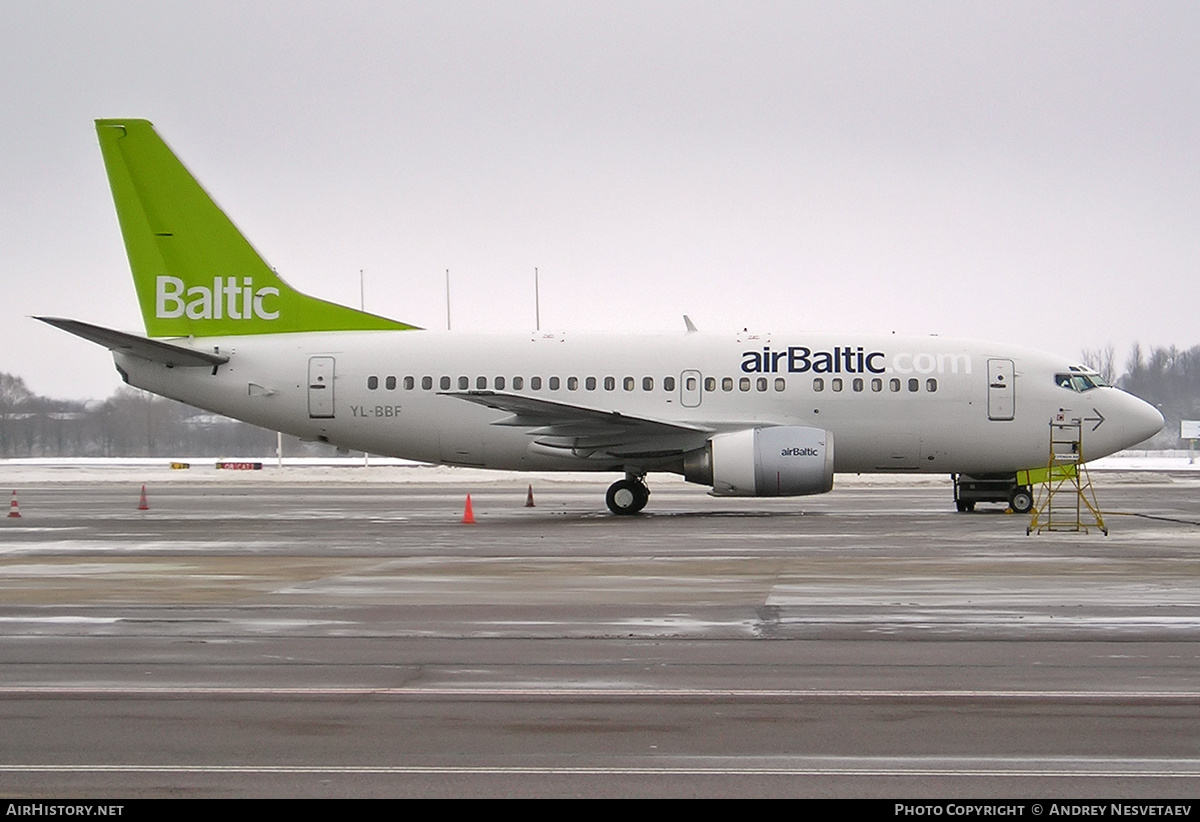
x,y
1140,419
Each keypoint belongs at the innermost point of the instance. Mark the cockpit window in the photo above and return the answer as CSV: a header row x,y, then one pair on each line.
x,y
1079,379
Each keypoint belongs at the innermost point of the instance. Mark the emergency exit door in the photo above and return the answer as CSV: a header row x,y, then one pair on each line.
x,y
691,389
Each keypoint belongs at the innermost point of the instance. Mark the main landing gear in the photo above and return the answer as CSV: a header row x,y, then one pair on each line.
x,y
627,496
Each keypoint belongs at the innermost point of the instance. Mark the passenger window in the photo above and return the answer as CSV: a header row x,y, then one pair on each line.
x,y
554,383
409,383
572,383
744,384
610,383
372,383
668,383
727,383
876,385
590,383
858,384
914,384
445,383
426,383
481,383
390,383
894,385
629,383
818,384
499,383
761,383
931,385
518,383
535,383
710,383
464,383
780,384
647,383
836,383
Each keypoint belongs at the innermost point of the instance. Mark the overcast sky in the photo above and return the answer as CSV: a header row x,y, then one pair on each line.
x,y
1019,172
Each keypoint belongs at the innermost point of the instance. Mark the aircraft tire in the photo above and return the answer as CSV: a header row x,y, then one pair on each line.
x,y
1021,499
965,506
626,497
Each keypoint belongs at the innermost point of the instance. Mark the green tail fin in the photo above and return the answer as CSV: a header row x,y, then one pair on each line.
x,y
196,275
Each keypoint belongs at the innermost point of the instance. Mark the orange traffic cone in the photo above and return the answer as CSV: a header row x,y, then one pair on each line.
x,y
13,513
468,514
529,498
142,504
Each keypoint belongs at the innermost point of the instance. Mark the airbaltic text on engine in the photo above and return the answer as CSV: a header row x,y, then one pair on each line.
x,y
236,301
798,359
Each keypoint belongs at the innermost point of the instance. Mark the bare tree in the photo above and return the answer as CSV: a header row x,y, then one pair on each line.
x,y
1103,361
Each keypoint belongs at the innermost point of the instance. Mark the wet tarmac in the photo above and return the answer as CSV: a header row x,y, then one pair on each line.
x,y
276,638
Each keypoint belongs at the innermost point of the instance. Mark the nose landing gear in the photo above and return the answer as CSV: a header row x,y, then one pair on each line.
x,y
627,496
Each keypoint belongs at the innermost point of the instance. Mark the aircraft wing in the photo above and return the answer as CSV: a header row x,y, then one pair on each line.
x,y
584,431
169,354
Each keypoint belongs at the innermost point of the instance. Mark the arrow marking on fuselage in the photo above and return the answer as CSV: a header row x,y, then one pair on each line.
x,y
1098,419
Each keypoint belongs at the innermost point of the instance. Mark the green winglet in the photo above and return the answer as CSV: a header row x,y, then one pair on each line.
x,y
195,274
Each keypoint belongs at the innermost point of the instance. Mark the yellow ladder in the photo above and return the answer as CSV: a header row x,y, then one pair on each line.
x,y
1066,500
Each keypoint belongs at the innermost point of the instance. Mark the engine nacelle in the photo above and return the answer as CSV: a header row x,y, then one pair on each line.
x,y
780,461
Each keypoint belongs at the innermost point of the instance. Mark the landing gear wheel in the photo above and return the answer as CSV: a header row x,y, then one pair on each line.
x,y
627,497
965,506
1021,500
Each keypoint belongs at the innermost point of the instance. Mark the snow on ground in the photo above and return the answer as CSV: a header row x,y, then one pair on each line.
x,y
340,470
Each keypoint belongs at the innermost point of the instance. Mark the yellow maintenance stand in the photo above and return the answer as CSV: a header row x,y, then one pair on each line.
x,y
1066,500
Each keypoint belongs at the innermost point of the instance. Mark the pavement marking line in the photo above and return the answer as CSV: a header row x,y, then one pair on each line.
x,y
1130,770
567,692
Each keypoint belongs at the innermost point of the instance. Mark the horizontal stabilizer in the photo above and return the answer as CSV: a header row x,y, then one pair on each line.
x,y
168,354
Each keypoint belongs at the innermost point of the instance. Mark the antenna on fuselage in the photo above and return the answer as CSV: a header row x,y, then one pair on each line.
x,y
362,306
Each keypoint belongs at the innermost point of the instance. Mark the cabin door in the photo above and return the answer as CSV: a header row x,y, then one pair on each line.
x,y
1001,397
320,387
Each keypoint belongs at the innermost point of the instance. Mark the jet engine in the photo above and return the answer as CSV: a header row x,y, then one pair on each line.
x,y
779,461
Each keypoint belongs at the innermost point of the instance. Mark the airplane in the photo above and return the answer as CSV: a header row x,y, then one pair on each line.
x,y
748,414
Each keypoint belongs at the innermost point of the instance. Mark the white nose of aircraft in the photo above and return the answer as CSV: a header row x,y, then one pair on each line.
x,y
1139,420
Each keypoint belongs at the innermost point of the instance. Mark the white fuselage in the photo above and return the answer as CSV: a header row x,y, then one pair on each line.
x,y
900,404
